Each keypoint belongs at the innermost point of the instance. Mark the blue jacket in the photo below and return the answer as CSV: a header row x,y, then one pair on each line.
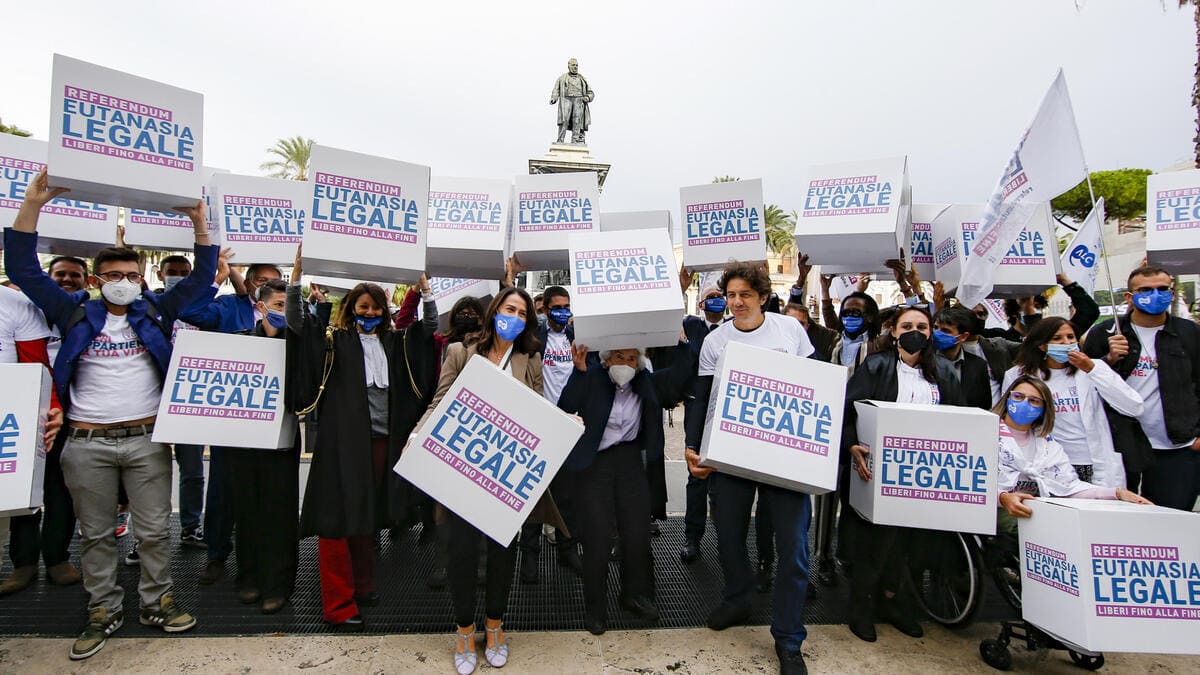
x,y
59,306
226,314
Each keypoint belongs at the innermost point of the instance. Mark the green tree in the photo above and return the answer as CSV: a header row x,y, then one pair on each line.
x,y
781,230
1196,77
289,158
13,129
1124,192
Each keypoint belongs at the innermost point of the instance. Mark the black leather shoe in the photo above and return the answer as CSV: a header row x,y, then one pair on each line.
x,y
213,571
367,599
690,551
248,596
642,607
790,663
568,556
354,624
862,619
726,615
596,626
897,613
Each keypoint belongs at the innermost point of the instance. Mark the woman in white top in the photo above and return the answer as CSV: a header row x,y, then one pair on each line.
x,y
1079,387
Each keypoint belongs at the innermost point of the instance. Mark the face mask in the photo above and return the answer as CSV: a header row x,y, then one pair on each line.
x,y
169,282
943,341
715,305
560,315
1023,412
1153,302
1059,352
277,319
1029,320
913,341
122,292
621,375
853,324
508,327
368,325
466,323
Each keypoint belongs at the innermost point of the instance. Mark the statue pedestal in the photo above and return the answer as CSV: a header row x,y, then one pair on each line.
x,y
569,158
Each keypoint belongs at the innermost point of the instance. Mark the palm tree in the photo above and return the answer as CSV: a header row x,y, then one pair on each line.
x,y
13,129
781,230
1196,79
289,158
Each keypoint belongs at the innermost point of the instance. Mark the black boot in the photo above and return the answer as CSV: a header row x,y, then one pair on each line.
x,y
900,613
862,617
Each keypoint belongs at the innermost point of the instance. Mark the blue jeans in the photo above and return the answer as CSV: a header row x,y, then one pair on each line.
x,y
190,459
790,513
218,517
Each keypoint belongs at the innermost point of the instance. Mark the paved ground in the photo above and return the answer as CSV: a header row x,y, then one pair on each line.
x,y
830,649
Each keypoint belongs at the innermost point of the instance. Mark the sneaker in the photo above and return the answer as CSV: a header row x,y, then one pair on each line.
x,y
134,558
193,538
123,524
93,638
167,616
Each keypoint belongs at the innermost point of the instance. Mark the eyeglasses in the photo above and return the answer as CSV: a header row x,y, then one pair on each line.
x,y
135,277
1033,400
1160,289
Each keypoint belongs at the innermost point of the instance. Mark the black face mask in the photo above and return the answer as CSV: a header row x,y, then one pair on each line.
x,y
466,323
913,342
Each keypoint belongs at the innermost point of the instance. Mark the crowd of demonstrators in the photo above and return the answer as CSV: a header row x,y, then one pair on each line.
x,y
1104,411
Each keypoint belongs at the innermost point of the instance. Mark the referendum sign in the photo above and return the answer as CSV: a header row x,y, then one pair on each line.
x,y
22,423
722,222
1029,266
225,390
261,219
120,139
468,227
1173,221
548,208
169,230
368,217
489,450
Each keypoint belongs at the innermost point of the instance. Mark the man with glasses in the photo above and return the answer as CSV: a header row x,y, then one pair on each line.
x,y
1159,356
109,376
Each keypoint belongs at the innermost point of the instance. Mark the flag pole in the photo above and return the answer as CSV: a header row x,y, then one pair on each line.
x,y
1104,256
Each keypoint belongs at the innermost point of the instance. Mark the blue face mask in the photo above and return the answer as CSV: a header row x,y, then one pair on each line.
x,y
715,305
1059,352
508,327
1153,301
560,315
943,341
277,319
368,325
853,324
1023,412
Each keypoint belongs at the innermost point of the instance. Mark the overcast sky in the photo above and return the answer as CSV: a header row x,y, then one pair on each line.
x,y
684,90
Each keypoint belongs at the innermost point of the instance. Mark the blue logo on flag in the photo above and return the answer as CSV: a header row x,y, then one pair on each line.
x,y
1085,257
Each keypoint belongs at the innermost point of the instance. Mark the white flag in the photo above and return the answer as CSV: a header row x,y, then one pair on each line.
x,y
843,285
996,316
1047,162
1081,259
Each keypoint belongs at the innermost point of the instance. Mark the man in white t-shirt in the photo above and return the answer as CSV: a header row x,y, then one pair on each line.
x,y
747,288
1159,357
108,375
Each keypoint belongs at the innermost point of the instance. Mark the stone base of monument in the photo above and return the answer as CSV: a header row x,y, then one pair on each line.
x,y
569,158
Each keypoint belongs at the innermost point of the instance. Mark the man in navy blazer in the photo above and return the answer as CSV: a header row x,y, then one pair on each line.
x,y
619,401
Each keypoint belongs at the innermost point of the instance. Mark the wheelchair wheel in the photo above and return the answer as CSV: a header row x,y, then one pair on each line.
x,y
949,584
1008,582
1087,661
995,653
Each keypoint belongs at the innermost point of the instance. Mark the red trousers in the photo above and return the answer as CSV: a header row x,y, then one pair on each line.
x,y
348,565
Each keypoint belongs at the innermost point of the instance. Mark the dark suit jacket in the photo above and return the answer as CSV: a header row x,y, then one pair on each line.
x,y
876,380
974,380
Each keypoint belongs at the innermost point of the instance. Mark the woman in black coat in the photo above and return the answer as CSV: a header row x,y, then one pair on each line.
x,y
907,372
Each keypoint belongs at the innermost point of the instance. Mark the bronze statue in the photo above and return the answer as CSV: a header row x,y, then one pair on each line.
x,y
572,94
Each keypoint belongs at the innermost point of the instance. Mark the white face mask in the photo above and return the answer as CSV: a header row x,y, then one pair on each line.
x,y
122,292
621,375
170,281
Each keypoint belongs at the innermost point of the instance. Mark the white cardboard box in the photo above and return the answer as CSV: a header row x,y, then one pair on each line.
x,y
1112,576
919,250
764,425
468,227
489,450
932,466
169,230
368,217
1173,221
722,222
66,226
635,220
225,390
342,286
447,291
117,138
23,412
855,215
548,208
1028,268
261,219
625,289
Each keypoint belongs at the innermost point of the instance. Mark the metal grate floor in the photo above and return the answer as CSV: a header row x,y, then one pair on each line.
x,y
685,594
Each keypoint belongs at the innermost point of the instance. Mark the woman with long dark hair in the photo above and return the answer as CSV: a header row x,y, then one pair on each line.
x,y
907,372
1079,388
368,384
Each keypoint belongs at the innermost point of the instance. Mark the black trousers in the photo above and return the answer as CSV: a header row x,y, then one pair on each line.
x,y
696,510
1172,481
266,502
49,531
878,555
531,533
613,490
462,567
